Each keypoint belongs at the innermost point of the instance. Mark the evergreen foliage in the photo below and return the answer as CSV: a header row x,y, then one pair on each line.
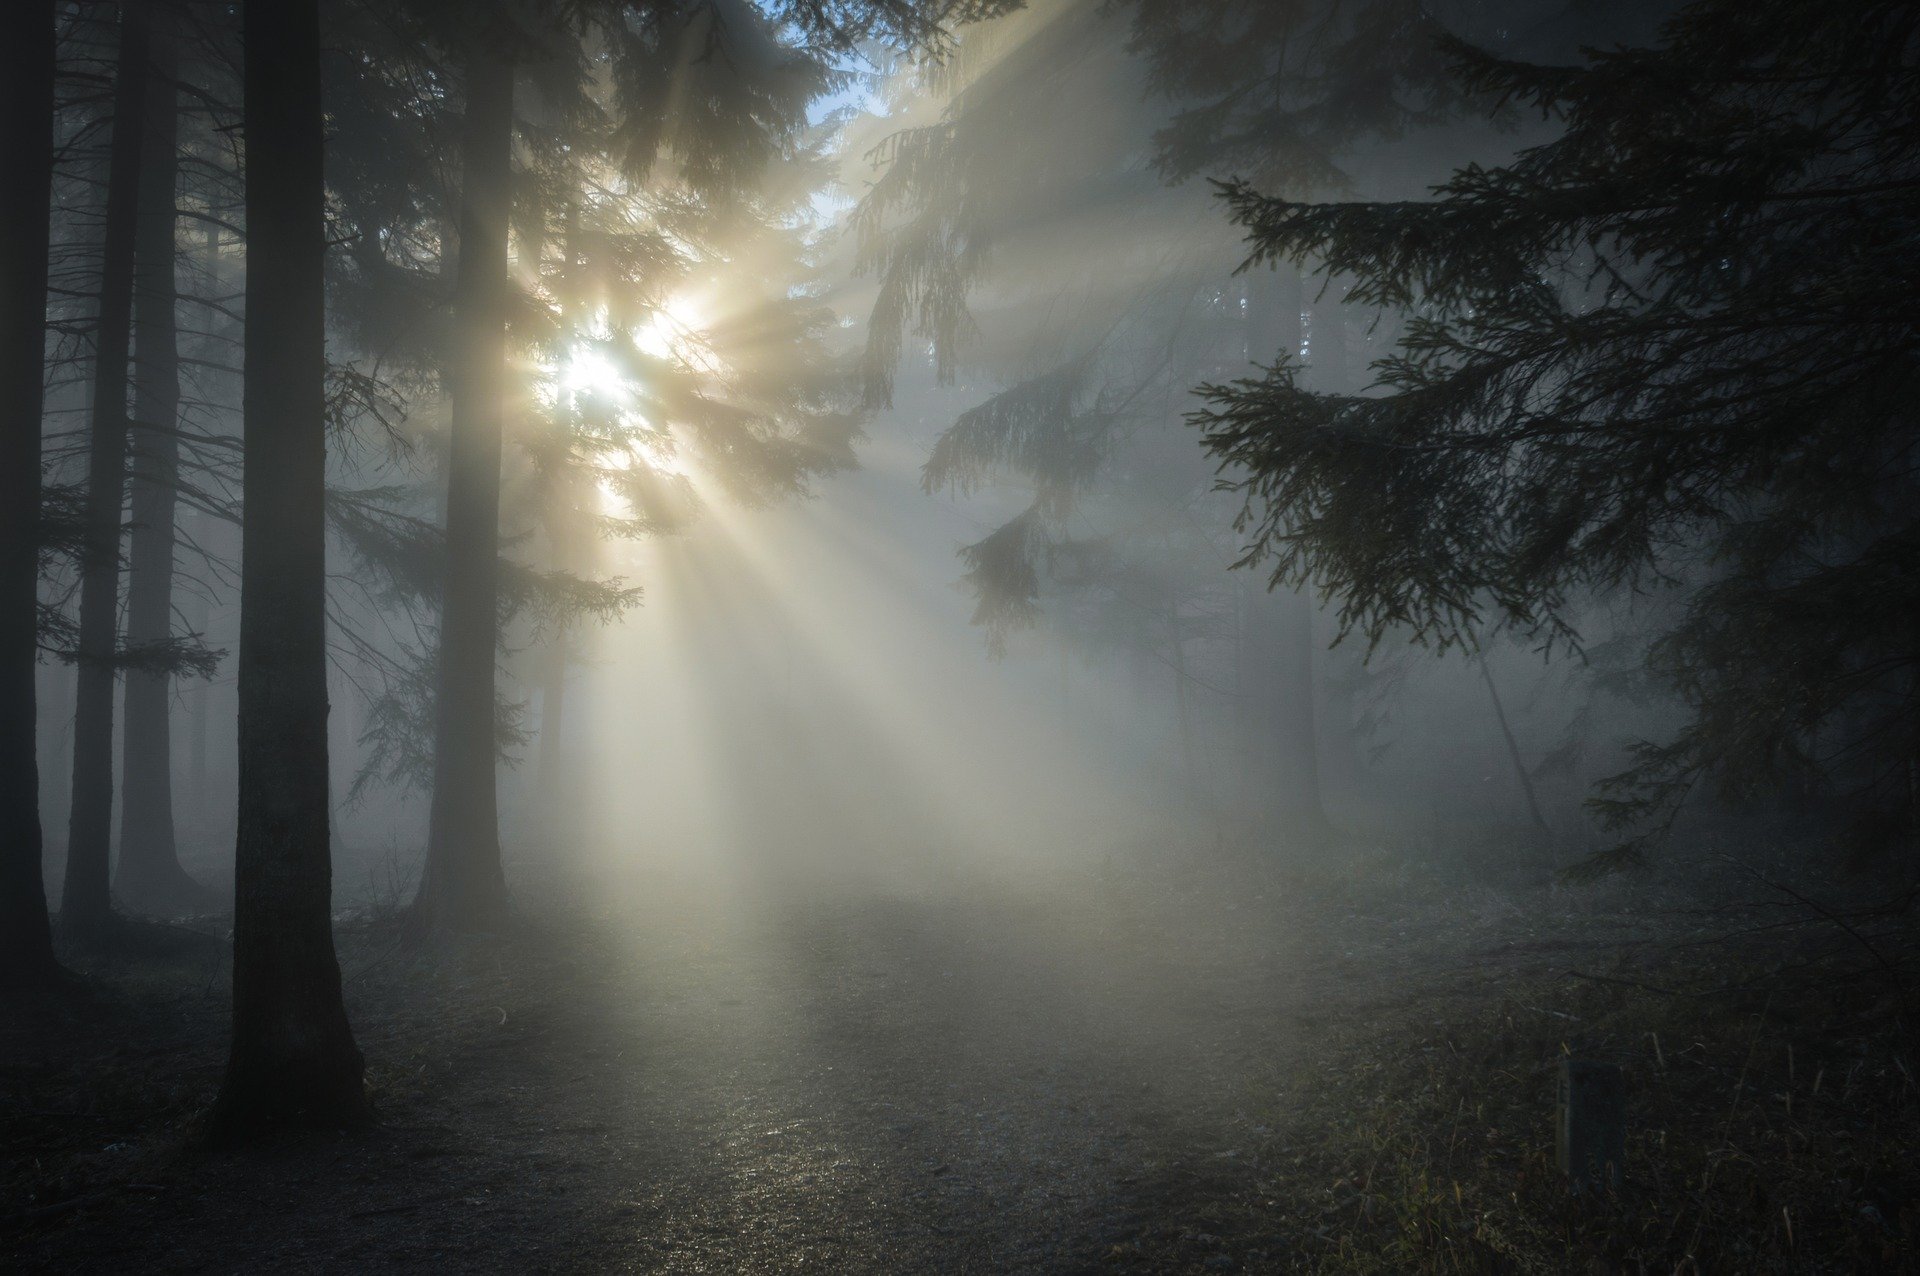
x,y
1673,347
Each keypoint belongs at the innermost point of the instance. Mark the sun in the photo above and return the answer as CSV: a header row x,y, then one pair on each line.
x,y
670,329
588,371
596,368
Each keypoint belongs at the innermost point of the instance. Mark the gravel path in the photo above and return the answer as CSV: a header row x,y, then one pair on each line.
x,y
893,1084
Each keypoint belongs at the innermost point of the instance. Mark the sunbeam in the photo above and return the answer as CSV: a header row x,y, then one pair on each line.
x,y
959,636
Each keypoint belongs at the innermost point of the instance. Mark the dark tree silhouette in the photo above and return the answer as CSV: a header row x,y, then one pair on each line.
x,y
26,156
1672,346
293,1058
86,907
148,874
463,886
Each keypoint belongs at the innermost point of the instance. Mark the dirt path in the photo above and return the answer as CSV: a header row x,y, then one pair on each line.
x,y
888,1085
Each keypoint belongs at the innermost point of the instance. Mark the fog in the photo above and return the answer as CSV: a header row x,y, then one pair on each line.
x,y
806,691
988,636
800,700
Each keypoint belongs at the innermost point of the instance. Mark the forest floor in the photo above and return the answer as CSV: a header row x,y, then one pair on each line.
x,y
1231,1069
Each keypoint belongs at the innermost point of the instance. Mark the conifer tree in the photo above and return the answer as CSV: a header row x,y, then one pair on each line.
x,y
26,153
992,194
702,103
463,885
86,909
1668,349
293,1060
148,873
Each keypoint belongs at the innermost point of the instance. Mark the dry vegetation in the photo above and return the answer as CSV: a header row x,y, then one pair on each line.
x,y
1771,1122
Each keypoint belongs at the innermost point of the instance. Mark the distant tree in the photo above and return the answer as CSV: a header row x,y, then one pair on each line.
x,y
462,885
1012,190
86,908
148,873
26,156
1674,346
293,1058
395,204
1288,92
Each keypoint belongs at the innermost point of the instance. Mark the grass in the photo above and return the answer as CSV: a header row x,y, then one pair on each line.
x,y
1772,1117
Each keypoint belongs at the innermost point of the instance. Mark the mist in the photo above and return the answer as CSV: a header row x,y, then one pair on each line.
x,y
993,636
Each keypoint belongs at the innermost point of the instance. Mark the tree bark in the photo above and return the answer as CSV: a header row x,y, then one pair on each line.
x,y
86,909
26,157
463,886
148,875
293,1059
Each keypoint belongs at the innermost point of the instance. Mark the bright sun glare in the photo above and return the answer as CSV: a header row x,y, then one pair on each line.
x,y
588,370
670,332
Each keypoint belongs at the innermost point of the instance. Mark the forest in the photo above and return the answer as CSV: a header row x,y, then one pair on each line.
x,y
960,636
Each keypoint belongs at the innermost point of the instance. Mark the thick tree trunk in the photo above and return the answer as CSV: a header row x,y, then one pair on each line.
x,y
293,1060
86,910
148,876
463,887
26,157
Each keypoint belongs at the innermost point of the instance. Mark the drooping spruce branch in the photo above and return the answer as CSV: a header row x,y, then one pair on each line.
x,y
1674,347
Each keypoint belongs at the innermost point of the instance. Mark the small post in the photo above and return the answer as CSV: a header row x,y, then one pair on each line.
x,y
1591,1130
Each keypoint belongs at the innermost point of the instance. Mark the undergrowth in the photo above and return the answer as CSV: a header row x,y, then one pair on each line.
x,y
1772,1116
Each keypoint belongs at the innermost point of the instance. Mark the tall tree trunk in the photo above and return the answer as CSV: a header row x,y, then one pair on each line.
x,y
293,1060
1513,750
1299,721
148,875
200,617
26,157
550,767
1280,640
86,910
1066,679
1285,753
463,887
1276,318
223,337
1177,644
567,545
